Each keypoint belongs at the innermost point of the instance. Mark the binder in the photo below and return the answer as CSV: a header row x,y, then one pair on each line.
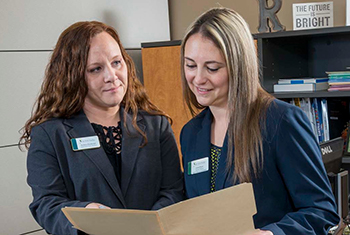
x,y
225,212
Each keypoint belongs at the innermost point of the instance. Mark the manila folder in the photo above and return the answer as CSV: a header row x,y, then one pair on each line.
x,y
228,211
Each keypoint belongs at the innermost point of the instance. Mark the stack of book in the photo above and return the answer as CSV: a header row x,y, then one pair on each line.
x,y
339,81
301,85
317,111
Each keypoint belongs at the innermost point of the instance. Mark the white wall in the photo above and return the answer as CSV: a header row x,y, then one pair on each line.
x,y
29,31
36,24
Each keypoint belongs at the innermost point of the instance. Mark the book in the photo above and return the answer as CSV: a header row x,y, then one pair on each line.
x,y
338,88
296,102
318,119
324,111
338,73
335,76
300,87
339,79
339,83
301,80
320,116
305,105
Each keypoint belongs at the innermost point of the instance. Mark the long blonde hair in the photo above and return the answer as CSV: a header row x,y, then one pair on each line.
x,y
64,88
247,101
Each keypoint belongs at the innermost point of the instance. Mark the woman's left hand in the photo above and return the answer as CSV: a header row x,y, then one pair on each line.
x,y
95,205
262,232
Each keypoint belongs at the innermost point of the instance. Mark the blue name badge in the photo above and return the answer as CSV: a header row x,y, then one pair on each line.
x,y
83,143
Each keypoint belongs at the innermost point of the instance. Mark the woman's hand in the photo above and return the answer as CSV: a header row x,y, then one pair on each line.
x,y
95,205
262,232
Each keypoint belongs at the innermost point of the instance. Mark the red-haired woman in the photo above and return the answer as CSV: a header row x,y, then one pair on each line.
x,y
95,138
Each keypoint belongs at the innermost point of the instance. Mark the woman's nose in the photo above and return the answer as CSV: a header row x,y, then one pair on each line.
x,y
110,74
200,77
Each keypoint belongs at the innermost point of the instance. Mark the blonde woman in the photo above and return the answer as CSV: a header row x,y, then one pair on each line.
x,y
243,134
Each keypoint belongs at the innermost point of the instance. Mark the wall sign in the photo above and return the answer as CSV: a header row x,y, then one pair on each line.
x,y
312,15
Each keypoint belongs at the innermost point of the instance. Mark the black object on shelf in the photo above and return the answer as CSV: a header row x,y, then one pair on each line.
x,y
338,114
332,153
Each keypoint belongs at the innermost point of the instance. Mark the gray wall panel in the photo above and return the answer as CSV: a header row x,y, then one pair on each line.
x,y
137,58
21,75
15,194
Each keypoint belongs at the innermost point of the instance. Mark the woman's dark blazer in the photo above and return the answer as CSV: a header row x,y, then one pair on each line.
x,y
292,193
151,176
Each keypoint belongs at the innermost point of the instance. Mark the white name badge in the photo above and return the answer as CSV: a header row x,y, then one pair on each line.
x,y
198,166
83,143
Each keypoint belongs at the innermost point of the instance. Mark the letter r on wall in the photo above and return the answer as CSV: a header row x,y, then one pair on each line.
x,y
269,13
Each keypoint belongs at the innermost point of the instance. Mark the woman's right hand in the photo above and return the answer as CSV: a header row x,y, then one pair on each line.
x,y
262,232
95,205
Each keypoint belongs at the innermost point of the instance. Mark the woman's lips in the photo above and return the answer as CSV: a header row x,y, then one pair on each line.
x,y
203,90
113,89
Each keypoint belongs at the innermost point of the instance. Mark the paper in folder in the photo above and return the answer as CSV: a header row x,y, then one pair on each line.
x,y
228,211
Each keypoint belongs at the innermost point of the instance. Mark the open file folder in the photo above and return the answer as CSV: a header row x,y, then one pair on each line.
x,y
228,211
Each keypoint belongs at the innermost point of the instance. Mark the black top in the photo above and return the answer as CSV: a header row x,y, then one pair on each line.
x,y
215,153
111,141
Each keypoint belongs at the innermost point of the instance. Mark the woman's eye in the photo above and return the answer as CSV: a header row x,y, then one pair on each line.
x,y
191,66
117,62
95,70
213,69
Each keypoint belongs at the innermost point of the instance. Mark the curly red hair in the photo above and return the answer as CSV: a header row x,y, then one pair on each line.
x,y
64,88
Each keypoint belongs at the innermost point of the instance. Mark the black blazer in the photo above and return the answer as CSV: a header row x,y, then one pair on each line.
x,y
151,176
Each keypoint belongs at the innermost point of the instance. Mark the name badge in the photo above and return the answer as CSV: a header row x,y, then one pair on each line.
x,y
83,143
198,166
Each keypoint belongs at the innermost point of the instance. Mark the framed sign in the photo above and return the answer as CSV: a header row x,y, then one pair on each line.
x,y
312,15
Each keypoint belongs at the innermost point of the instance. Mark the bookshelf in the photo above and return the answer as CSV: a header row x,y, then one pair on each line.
x,y
304,53
307,53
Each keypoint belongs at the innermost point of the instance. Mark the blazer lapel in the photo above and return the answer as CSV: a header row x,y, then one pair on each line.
x,y
203,151
81,127
131,142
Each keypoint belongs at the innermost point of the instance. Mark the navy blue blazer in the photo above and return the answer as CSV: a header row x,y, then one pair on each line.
x,y
151,176
293,193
